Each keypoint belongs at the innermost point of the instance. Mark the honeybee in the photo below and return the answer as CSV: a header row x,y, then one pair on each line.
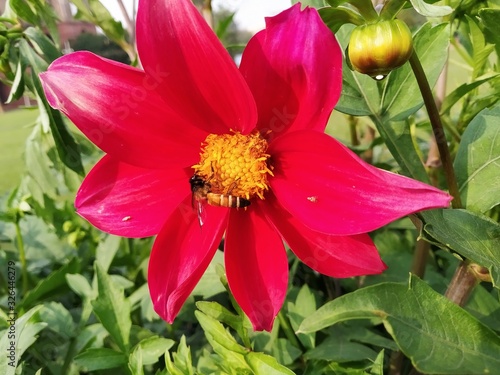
x,y
202,193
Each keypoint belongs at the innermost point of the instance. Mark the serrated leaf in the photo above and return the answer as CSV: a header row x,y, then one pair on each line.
x,y
153,347
47,286
472,235
481,50
94,359
464,89
429,10
14,343
304,305
59,319
401,95
215,332
43,45
135,361
91,335
477,163
426,326
23,9
112,309
181,363
106,251
231,353
220,313
262,364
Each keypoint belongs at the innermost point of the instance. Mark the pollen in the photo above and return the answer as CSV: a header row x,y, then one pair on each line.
x,y
235,164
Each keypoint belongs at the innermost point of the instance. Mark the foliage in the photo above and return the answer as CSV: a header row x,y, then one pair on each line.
x,y
81,297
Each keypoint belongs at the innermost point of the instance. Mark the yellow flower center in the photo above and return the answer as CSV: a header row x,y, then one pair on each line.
x,y
235,164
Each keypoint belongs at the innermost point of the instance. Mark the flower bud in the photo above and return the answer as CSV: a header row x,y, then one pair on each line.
x,y
376,49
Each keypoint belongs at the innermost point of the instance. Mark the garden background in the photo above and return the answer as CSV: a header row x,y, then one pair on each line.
x,y
81,296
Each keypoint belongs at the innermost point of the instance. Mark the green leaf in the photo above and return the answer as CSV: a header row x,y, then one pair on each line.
x,y
438,336
153,347
92,335
399,141
477,162
42,44
17,89
378,364
334,18
67,148
401,96
429,10
464,89
94,359
339,349
216,333
472,235
181,363
304,305
489,18
79,284
210,284
481,50
112,309
220,313
23,9
262,364
59,319
284,352
106,251
96,13
13,343
231,353
485,307
48,286
135,364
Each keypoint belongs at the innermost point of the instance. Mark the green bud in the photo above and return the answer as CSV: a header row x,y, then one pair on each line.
x,y
376,49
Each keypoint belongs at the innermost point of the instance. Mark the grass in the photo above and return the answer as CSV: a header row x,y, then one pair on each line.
x,y
15,126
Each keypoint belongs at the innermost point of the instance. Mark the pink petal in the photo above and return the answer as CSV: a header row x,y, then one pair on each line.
x,y
335,256
181,254
129,201
119,110
294,69
329,189
256,266
197,75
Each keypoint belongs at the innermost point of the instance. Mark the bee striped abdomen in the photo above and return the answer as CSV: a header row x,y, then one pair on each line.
x,y
230,201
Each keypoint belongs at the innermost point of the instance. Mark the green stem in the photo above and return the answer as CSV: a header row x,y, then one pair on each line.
x,y
437,128
22,257
287,329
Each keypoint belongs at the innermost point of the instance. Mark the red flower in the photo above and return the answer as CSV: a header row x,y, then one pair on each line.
x,y
255,133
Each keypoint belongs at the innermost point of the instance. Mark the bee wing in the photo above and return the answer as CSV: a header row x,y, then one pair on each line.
x,y
199,206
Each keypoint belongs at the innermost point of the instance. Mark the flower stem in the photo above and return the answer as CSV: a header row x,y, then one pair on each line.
x,y
437,128
463,282
22,257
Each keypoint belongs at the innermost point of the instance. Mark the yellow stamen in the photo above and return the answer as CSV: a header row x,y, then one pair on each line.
x,y
235,164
